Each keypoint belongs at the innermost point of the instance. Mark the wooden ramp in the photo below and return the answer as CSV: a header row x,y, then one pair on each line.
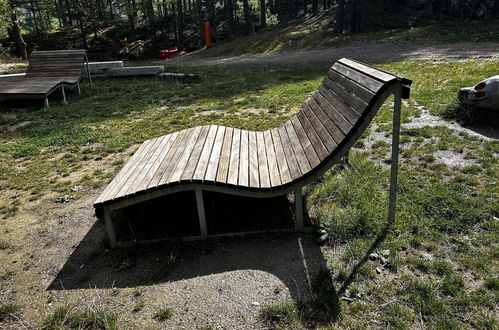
x,y
259,164
47,72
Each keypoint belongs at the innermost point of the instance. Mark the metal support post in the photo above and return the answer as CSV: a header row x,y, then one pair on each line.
x,y
299,209
201,213
88,70
63,94
395,156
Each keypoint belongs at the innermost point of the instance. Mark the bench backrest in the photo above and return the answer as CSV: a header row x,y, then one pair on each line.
x,y
64,65
343,103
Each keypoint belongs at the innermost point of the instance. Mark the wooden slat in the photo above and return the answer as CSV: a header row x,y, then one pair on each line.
x,y
317,144
297,148
211,171
281,157
128,184
243,179
182,161
148,161
319,128
254,178
263,166
122,172
133,165
154,163
309,150
176,157
339,106
200,171
163,148
294,168
344,119
360,78
195,154
233,175
166,160
383,76
351,86
275,178
347,97
331,128
223,166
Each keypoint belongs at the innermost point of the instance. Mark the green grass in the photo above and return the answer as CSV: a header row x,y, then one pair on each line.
x,y
282,315
70,317
9,311
163,314
443,245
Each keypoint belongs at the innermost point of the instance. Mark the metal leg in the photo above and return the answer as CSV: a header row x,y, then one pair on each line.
x,y
78,88
46,102
201,214
63,95
109,228
395,156
299,209
88,70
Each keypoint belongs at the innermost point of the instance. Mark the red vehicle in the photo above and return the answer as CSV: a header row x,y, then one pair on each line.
x,y
167,53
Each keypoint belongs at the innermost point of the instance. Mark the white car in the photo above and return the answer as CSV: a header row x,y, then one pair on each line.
x,y
485,94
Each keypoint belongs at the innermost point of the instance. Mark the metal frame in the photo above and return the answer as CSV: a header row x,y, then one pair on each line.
x,y
397,89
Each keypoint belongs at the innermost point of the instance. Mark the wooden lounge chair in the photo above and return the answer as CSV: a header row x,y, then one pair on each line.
x,y
47,72
261,164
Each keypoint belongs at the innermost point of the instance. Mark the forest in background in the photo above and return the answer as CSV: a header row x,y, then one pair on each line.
x,y
99,25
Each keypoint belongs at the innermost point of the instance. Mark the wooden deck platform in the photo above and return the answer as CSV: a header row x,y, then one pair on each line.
x,y
258,164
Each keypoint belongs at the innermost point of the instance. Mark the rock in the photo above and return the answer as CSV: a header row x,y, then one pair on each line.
x,y
134,71
373,256
379,270
255,303
385,252
383,260
177,75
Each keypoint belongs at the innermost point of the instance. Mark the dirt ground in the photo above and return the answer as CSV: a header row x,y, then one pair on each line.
x,y
372,52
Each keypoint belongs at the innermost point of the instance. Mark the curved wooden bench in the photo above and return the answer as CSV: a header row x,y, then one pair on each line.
x,y
259,164
48,71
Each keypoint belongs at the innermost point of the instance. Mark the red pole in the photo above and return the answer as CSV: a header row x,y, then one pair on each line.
x,y
207,30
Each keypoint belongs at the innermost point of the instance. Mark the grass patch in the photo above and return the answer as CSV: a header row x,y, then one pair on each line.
x,y
10,311
163,314
283,315
70,317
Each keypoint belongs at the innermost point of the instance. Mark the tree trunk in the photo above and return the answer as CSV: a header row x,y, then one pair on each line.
x,y
35,21
132,13
200,22
213,20
68,9
180,26
247,18
340,17
229,18
263,14
18,37
355,20
315,7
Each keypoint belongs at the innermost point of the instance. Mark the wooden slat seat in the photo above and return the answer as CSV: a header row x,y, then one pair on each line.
x,y
259,164
47,71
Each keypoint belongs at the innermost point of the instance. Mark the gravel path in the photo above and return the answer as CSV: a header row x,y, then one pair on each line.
x,y
373,52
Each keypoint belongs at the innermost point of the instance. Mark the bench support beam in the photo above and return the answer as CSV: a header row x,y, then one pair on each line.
x,y
88,71
46,102
299,209
78,88
109,227
201,213
395,156
63,95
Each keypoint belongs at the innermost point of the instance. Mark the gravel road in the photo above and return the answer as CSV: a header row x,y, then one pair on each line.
x,y
372,52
